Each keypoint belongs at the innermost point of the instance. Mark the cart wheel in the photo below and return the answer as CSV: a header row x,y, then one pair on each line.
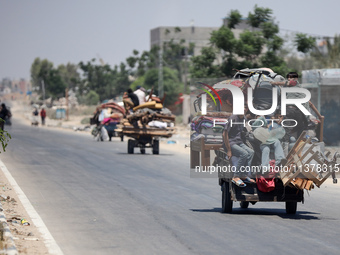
x,y
291,207
227,203
244,204
131,145
155,147
142,150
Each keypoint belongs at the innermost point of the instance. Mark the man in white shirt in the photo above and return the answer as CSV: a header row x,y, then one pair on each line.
x,y
140,92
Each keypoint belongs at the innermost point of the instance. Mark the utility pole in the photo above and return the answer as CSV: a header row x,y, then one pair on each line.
x,y
160,74
319,91
43,89
66,96
185,71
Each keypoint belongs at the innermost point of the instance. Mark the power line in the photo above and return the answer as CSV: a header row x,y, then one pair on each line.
x,y
312,35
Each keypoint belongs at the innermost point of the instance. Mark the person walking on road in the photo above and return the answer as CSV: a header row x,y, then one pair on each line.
x,y
3,115
43,116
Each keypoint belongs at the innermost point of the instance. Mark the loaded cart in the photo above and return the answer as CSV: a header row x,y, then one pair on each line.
x,y
146,126
307,164
106,118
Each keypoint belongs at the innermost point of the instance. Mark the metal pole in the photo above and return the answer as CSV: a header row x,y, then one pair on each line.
x,y
319,98
66,96
319,92
43,89
160,74
185,71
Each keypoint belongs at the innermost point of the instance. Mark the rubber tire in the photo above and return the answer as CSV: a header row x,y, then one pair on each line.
x,y
244,204
155,147
291,207
227,203
131,146
142,150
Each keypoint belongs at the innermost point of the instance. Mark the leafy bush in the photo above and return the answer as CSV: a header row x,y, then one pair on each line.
x,y
4,137
92,98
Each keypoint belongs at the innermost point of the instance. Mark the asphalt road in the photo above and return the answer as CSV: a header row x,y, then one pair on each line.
x,y
97,199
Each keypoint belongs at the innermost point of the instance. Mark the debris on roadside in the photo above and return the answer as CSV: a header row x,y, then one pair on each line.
x,y
4,198
25,222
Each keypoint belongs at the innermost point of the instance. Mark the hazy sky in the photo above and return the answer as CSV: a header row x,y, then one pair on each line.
x,y
65,31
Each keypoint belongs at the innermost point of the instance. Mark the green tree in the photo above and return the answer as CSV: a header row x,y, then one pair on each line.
x,y
70,75
260,16
106,82
174,55
40,70
250,46
224,39
54,85
258,46
122,81
92,98
43,72
234,18
171,84
304,43
140,81
202,66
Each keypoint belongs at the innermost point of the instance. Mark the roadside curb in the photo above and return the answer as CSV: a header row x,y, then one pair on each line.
x,y
10,248
48,239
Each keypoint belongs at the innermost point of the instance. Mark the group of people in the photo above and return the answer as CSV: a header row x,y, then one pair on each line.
x,y
240,154
42,114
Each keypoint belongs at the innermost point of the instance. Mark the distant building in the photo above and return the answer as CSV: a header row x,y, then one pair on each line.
x,y
239,28
13,88
21,86
198,35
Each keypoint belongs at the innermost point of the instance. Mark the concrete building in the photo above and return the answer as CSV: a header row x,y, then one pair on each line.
x,y
198,35
239,28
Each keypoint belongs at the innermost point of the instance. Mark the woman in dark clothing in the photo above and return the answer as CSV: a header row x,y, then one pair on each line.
x,y
3,114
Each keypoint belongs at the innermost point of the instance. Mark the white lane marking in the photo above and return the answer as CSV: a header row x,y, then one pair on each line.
x,y
49,241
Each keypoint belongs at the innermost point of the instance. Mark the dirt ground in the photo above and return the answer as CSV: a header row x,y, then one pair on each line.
x,y
27,238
